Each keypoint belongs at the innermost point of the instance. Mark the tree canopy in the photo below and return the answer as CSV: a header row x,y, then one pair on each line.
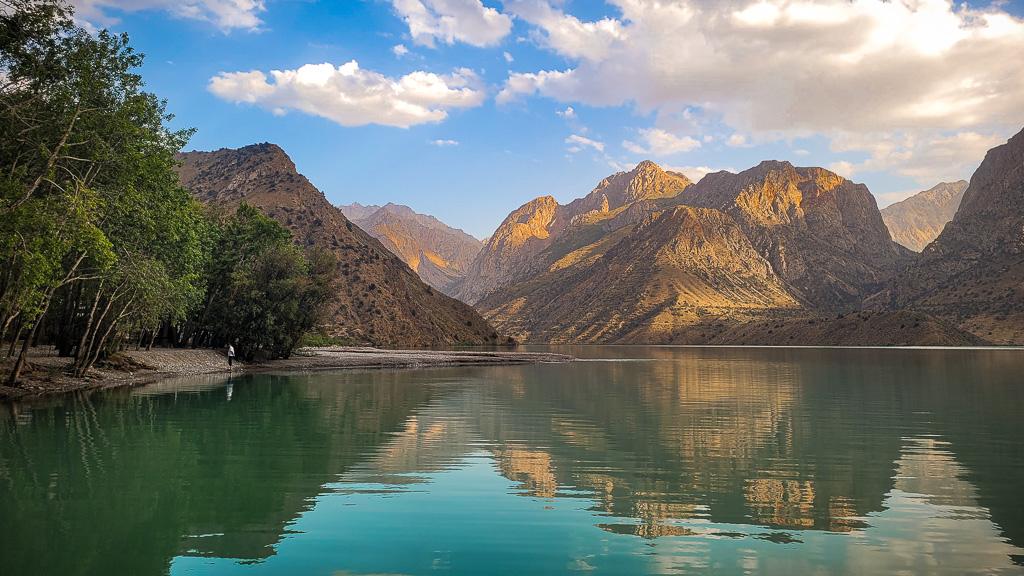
x,y
99,240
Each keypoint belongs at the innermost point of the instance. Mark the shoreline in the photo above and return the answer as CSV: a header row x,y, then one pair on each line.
x,y
137,368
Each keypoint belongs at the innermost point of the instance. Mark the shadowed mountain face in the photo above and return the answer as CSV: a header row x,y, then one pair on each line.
x,y
918,220
379,300
973,273
649,257
437,252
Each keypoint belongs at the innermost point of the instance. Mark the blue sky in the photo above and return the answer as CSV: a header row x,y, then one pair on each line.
x,y
896,97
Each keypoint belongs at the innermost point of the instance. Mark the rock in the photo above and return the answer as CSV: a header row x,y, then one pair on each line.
x,y
439,253
918,220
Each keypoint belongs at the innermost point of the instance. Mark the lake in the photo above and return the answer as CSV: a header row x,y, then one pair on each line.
x,y
635,460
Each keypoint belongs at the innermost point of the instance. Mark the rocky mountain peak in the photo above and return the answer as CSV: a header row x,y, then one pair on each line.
x,y
918,220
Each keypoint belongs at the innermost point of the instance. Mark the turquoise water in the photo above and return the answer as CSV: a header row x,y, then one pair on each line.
x,y
637,460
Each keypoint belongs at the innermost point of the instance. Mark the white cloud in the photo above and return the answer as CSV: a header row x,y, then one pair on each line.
x,y
737,141
925,159
519,84
779,69
579,142
453,21
225,14
566,33
508,57
843,168
399,50
444,143
569,113
351,96
658,142
801,152
695,173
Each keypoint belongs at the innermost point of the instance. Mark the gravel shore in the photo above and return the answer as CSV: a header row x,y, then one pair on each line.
x,y
137,367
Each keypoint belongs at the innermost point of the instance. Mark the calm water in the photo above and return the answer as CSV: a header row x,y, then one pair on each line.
x,y
643,460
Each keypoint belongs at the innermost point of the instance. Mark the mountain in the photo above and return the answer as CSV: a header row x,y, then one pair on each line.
x,y
972,275
649,257
823,234
916,221
437,252
357,211
671,268
380,300
509,255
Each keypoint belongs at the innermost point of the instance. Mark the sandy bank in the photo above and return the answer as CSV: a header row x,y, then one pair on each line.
x,y
47,373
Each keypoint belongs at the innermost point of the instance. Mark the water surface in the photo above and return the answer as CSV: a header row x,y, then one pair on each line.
x,y
636,461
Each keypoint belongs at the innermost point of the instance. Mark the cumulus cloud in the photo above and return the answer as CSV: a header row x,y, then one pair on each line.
x,y
508,57
925,159
737,141
695,173
569,113
658,142
578,143
399,50
225,14
444,143
519,84
352,96
566,33
453,21
778,69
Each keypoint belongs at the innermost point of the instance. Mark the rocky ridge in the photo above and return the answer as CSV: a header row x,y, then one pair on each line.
x,y
437,252
648,256
918,220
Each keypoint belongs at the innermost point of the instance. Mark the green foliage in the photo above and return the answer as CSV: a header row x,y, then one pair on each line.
x,y
98,239
263,292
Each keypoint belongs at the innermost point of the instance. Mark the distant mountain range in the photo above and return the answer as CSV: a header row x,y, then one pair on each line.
x,y
776,254
648,256
379,299
437,252
918,220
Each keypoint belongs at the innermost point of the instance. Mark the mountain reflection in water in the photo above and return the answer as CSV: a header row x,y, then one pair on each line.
x,y
773,461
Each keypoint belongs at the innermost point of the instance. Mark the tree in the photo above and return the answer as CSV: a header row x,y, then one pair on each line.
x,y
263,293
90,202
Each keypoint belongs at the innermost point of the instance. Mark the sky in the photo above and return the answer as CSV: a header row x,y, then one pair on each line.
x,y
466,109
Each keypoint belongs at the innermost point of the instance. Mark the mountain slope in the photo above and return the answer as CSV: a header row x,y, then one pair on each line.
x,y
648,257
823,234
674,267
918,220
380,300
437,252
973,274
511,254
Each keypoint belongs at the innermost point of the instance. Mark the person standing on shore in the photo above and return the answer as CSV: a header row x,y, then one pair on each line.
x,y
231,355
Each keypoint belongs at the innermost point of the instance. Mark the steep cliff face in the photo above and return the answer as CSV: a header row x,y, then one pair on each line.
x,y
379,300
437,252
642,281
918,220
823,234
973,273
522,244
508,255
